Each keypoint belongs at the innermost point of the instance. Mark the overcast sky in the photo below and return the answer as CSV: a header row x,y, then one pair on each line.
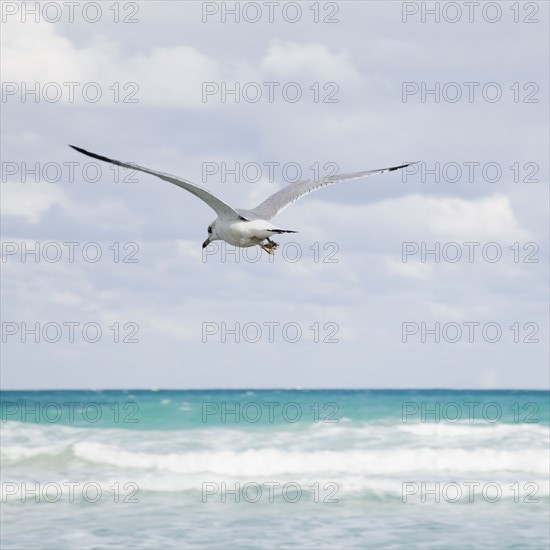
x,y
339,305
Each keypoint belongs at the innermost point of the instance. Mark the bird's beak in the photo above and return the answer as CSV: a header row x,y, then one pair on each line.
x,y
206,243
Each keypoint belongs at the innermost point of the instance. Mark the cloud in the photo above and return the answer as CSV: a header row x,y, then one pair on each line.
x,y
31,202
291,60
165,76
410,270
414,217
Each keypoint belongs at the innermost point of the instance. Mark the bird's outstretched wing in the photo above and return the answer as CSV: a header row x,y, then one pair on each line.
x,y
223,210
291,193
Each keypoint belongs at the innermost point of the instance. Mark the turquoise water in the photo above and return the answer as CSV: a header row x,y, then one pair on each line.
x,y
275,469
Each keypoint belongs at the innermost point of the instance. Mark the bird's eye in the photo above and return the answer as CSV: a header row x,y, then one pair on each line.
x,y
209,229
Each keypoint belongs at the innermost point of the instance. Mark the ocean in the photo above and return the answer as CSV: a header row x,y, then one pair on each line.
x,y
275,469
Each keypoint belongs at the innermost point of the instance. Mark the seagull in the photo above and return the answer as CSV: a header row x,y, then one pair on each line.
x,y
245,228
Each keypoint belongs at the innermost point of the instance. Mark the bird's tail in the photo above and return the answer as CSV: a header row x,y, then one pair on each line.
x,y
279,231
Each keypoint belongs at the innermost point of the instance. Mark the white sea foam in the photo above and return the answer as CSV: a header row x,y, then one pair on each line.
x,y
372,458
269,462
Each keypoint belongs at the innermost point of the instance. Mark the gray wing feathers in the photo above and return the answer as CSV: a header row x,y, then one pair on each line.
x,y
221,208
291,193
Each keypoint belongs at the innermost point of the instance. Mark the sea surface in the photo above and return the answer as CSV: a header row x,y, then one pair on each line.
x,y
275,469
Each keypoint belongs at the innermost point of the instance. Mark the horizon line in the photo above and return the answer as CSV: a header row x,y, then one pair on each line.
x,y
277,389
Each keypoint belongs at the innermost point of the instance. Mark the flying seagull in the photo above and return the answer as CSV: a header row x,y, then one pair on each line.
x,y
241,227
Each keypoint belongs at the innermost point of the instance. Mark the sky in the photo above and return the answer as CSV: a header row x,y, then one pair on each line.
x,y
433,277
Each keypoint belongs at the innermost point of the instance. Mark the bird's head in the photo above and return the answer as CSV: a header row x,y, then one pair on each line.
x,y
212,236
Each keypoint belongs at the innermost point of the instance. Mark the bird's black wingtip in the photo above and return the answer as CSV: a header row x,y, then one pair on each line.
x,y
403,166
93,155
